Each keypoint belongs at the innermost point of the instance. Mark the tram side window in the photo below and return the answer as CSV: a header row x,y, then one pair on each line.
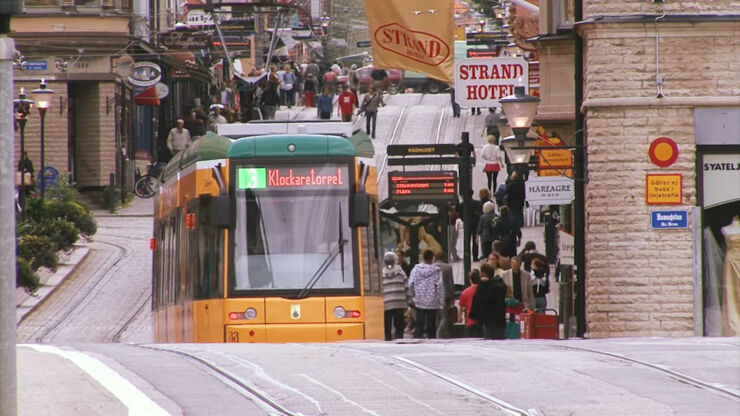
x,y
205,253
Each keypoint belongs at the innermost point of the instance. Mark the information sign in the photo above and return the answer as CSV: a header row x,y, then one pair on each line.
x,y
669,220
35,65
549,190
555,158
555,172
663,189
363,44
422,186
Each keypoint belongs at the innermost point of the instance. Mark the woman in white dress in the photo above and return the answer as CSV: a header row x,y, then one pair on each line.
x,y
731,279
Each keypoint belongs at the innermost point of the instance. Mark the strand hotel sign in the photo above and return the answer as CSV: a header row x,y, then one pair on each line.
x,y
416,35
483,82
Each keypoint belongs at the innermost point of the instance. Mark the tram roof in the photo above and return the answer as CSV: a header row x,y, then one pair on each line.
x,y
207,147
306,145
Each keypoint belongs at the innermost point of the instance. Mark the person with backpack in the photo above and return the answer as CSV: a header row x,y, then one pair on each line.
x,y
485,231
370,103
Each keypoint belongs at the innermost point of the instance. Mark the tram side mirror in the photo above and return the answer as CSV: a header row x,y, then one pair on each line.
x,y
222,212
360,210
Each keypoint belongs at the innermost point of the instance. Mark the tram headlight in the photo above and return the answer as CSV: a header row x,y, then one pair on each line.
x,y
250,313
339,312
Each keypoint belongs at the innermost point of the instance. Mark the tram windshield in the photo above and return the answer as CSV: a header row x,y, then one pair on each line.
x,y
292,228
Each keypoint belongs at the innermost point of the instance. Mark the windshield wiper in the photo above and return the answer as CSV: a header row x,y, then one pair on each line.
x,y
330,257
337,250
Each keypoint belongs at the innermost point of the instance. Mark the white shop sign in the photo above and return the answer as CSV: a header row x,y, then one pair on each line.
x,y
549,190
482,82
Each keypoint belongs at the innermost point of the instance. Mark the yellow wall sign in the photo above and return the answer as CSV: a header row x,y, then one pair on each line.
x,y
555,172
663,189
555,158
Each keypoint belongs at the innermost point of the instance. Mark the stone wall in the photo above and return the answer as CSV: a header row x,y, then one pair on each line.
x,y
593,8
95,134
55,129
639,281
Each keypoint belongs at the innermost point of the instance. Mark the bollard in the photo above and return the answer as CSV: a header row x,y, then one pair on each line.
x,y
112,192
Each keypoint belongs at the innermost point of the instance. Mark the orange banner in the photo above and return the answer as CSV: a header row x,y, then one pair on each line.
x,y
416,35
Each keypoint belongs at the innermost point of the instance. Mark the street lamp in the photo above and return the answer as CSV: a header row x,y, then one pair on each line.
x,y
482,23
325,20
42,98
22,108
520,110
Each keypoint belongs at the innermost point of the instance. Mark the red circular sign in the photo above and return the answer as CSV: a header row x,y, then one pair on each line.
x,y
663,152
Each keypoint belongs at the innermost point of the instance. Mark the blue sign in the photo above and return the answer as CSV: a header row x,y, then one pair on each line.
x,y
363,44
35,66
669,220
49,177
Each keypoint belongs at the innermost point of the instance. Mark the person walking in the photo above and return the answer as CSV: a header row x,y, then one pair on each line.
x,y
514,196
540,283
508,231
473,328
519,284
288,87
455,105
179,137
493,118
215,119
427,291
325,104
346,103
309,90
370,103
493,160
489,303
529,253
270,101
444,323
396,296
485,231
402,261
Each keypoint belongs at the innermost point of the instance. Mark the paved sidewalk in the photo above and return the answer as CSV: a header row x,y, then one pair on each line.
x,y
49,280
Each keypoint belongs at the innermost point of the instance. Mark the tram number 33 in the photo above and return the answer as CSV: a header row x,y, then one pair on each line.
x,y
233,336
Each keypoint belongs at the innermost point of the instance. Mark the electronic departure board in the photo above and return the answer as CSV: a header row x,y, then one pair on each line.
x,y
423,186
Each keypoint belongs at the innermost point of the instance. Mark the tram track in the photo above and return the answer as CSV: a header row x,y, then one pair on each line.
x,y
119,255
232,380
676,375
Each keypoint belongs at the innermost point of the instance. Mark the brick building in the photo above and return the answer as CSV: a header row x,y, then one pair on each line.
x,y
652,70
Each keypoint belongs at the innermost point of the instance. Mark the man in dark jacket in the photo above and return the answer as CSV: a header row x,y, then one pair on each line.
x,y
514,196
489,303
507,230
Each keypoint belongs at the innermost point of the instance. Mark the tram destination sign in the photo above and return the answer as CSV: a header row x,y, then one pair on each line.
x,y
292,177
423,186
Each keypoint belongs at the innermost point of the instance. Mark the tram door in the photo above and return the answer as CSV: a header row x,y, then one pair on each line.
x,y
415,231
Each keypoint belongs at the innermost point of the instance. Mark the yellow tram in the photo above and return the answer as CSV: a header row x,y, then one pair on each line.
x,y
268,238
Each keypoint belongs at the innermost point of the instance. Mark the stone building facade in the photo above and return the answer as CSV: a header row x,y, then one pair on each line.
x,y
653,70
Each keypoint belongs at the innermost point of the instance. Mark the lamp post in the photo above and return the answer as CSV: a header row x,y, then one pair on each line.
x,y
520,110
42,98
22,108
325,20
